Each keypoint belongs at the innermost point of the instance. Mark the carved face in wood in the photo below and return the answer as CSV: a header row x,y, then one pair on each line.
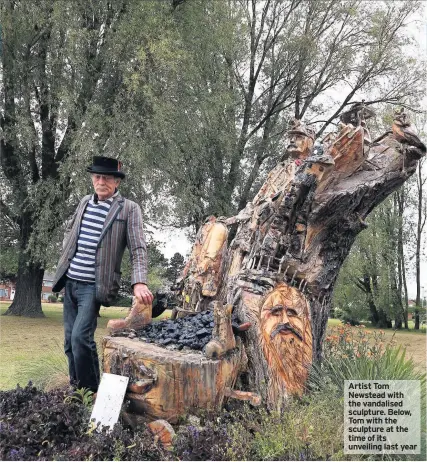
x,y
286,336
300,145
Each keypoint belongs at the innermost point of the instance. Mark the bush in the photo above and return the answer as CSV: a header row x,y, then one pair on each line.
x,y
123,301
54,426
361,354
309,429
52,298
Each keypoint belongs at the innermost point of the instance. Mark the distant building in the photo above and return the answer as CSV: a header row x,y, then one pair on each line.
x,y
47,286
7,289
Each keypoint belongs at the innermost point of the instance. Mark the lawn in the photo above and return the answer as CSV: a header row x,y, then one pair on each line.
x,y
28,344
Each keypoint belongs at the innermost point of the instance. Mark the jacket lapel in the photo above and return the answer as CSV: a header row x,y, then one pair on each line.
x,y
79,217
115,208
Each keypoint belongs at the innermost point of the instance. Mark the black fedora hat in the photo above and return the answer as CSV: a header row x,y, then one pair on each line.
x,y
106,166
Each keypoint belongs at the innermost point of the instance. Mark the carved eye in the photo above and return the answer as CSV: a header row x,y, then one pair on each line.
x,y
291,312
277,310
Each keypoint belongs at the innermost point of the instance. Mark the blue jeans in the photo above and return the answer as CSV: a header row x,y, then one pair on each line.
x,y
80,320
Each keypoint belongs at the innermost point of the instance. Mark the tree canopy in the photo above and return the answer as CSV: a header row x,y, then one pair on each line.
x,y
191,95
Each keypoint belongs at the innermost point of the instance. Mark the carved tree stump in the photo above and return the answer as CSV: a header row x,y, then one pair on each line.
x,y
168,384
278,273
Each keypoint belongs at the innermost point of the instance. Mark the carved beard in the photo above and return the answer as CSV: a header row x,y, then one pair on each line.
x,y
288,353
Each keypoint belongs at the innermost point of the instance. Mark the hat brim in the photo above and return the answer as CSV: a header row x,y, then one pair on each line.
x,y
299,132
104,171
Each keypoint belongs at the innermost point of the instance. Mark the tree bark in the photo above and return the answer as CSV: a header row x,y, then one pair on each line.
x,y
420,226
401,267
280,269
27,301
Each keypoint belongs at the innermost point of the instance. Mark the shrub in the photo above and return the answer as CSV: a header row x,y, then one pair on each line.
x,y
52,298
51,426
360,354
221,438
309,429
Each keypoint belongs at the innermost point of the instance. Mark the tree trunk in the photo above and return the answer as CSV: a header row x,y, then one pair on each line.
x,y
401,267
420,226
27,301
280,269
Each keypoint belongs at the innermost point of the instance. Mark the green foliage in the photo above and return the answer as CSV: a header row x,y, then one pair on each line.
x,y
176,265
52,298
308,429
359,354
9,258
81,395
368,284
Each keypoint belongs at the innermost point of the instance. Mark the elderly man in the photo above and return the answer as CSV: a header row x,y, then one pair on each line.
x,y
89,267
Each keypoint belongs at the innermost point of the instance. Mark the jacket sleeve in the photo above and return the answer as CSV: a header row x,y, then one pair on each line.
x,y
136,245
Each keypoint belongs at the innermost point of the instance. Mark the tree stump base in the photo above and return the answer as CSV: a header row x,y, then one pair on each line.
x,y
171,384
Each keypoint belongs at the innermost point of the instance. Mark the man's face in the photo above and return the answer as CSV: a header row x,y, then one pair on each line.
x,y
104,185
299,146
286,331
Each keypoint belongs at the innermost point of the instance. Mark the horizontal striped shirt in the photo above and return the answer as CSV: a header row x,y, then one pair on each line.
x,y
82,265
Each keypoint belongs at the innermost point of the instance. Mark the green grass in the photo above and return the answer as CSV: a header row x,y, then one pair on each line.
x,y
31,348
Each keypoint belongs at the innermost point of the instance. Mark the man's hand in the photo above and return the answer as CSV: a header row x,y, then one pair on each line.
x,y
141,292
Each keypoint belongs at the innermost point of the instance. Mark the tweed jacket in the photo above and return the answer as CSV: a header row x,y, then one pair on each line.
x,y
122,227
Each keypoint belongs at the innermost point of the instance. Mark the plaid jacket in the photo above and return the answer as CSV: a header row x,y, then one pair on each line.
x,y
122,227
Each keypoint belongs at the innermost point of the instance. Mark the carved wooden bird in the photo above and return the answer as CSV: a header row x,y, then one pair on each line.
x,y
403,132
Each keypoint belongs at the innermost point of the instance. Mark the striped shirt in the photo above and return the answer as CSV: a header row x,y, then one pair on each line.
x,y
82,265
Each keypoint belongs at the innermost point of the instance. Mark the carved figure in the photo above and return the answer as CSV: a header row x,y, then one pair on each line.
x,y
286,337
200,277
139,316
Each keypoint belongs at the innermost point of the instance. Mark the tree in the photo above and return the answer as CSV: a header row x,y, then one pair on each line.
x,y
367,279
421,221
64,67
232,73
176,265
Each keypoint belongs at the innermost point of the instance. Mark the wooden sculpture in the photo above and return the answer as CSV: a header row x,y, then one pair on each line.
x,y
200,276
277,274
292,239
139,316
